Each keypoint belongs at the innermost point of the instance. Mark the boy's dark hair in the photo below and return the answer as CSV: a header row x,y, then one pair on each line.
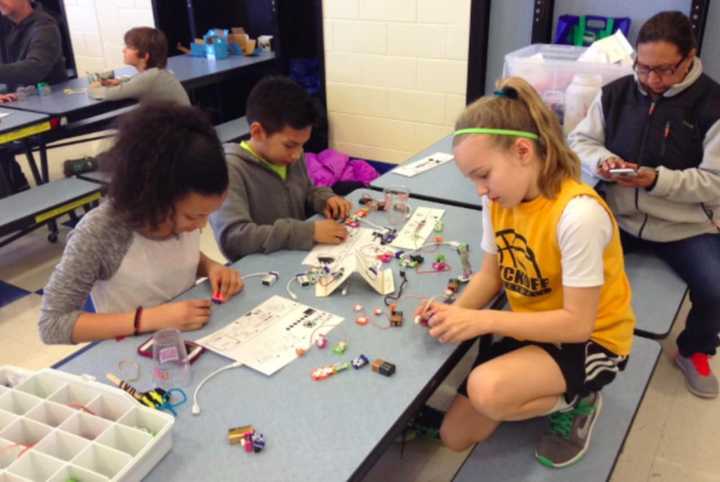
x,y
672,27
276,102
162,153
148,40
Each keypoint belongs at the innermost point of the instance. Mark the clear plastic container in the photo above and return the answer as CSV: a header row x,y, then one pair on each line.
x,y
397,204
172,365
558,66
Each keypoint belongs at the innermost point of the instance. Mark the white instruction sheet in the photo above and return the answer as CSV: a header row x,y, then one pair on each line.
x,y
418,228
266,338
357,238
421,165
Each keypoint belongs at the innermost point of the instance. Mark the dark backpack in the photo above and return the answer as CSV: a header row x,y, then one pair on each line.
x,y
12,179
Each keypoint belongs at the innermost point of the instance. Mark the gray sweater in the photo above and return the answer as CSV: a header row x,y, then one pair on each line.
x,y
158,85
95,250
262,213
120,267
31,50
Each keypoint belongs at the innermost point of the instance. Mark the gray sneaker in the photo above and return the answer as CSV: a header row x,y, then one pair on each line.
x,y
699,378
568,438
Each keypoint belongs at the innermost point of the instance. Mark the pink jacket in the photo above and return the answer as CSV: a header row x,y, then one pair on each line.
x,y
331,166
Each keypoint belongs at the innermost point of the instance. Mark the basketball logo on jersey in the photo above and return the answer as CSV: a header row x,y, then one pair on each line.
x,y
519,269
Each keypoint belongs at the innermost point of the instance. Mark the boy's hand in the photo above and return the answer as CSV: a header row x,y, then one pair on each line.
x,y
225,281
5,98
110,82
337,207
328,231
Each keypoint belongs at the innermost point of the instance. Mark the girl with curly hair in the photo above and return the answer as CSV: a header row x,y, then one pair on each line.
x,y
141,247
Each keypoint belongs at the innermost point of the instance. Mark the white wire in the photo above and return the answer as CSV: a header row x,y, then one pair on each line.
x,y
196,405
452,244
257,275
289,283
373,225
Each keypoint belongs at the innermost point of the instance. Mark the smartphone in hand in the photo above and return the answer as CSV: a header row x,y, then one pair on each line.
x,y
623,171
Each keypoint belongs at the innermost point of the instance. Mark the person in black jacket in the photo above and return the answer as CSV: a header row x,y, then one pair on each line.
x,y
662,126
31,45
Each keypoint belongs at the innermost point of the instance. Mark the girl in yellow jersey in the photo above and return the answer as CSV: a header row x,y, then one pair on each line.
x,y
552,244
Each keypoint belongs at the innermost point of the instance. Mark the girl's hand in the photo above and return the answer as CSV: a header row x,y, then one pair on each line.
x,y
450,323
184,315
225,281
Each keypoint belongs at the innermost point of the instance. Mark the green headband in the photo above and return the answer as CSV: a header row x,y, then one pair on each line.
x,y
497,132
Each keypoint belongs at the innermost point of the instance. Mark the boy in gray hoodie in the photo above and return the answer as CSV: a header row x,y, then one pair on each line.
x,y
270,194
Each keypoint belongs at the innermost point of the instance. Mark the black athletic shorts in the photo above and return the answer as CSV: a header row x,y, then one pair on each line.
x,y
586,367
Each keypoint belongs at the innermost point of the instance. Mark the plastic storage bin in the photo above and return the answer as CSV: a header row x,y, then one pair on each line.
x,y
558,66
57,426
552,75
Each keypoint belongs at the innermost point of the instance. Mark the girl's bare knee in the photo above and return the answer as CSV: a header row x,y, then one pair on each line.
x,y
484,392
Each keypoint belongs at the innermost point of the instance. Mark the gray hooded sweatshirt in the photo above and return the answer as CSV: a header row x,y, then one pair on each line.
x,y
263,213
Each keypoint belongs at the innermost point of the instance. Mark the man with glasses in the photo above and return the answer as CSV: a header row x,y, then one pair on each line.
x,y
654,140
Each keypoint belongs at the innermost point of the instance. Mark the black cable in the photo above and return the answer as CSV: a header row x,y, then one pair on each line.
x,y
396,296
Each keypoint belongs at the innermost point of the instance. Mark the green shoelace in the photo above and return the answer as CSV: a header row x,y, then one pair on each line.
x,y
561,422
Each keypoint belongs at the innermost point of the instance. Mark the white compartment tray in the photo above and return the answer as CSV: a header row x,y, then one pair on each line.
x,y
57,426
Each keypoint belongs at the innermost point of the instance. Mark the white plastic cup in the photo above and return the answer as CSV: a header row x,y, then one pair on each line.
x,y
578,98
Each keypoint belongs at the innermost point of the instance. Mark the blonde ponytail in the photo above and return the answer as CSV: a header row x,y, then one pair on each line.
x,y
517,106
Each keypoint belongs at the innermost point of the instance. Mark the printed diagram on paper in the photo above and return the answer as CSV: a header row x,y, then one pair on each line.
x,y
421,165
266,337
416,231
357,238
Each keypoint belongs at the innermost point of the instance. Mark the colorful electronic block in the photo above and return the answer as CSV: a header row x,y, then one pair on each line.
x,y
360,362
340,347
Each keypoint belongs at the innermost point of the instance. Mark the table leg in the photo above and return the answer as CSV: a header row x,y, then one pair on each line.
x,y
44,162
32,163
54,232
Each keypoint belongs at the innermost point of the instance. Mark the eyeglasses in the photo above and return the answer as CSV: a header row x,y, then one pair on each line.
x,y
660,70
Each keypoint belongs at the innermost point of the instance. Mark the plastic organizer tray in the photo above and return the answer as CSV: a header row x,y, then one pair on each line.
x,y
57,426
